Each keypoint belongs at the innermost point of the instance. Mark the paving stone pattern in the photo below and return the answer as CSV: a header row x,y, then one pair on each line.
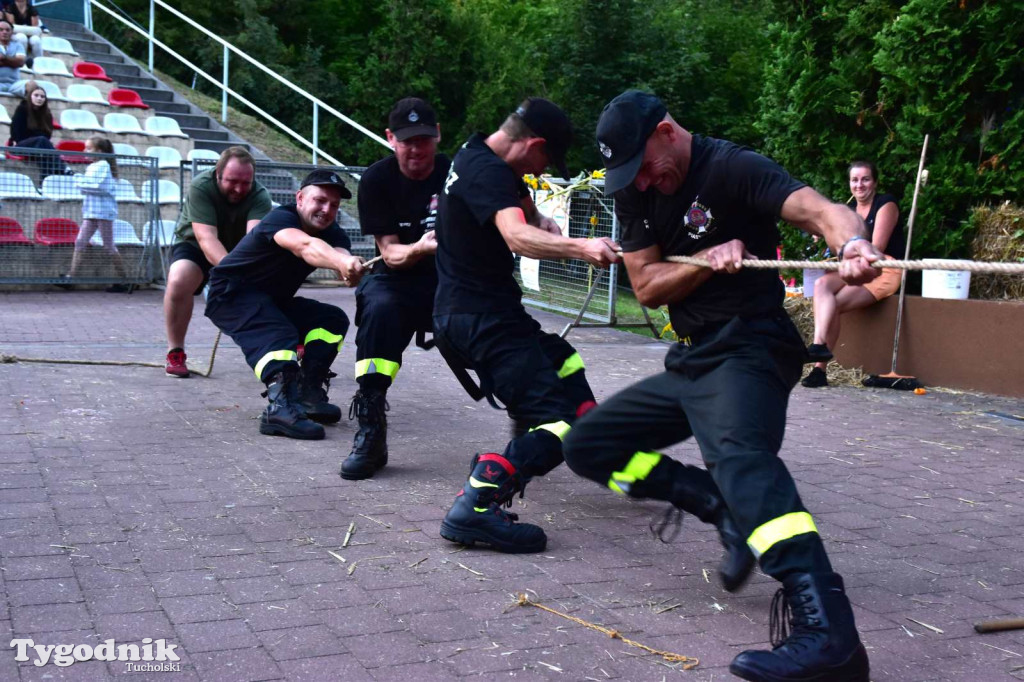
x,y
135,505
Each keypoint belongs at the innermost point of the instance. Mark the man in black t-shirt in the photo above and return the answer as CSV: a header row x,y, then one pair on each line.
x,y
398,206
728,380
252,299
485,214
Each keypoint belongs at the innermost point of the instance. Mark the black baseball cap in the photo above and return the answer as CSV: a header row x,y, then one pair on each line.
x,y
323,177
546,119
622,131
412,117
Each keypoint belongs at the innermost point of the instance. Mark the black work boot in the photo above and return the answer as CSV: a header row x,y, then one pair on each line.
x,y
314,380
284,415
477,515
819,643
709,507
370,447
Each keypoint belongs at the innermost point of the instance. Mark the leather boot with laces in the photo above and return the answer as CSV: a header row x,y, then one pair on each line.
x,y
478,516
284,415
709,507
813,636
313,385
370,446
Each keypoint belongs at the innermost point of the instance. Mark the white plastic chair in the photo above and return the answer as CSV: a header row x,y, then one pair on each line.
x,y
124,191
83,92
61,188
165,231
50,66
122,123
124,235
18,186
52,91
58,45
122,149
164,126
168,192
79,119
5,117
203,154
167,157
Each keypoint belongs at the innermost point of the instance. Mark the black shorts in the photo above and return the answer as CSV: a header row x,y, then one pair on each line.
x,y
189,251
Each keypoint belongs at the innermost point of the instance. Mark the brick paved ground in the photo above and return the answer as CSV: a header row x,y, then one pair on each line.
x,y
134,505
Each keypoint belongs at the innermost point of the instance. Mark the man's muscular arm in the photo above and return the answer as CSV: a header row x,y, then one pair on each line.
x,y
527,240
209,242
537,219
320,254
400,256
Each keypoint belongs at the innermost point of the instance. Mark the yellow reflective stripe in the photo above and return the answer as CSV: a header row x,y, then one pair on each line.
x,y
477,483
637,469
571,366
284,355
480,509
321,334
782,528
377,366
557,428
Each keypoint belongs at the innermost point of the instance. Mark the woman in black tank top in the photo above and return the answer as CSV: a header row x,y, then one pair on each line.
x,y
832,296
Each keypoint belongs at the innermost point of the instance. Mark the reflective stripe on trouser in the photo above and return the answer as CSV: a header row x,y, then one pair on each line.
x,y
637,469
377,366
778,529
572,364
321,334
557,428
282,355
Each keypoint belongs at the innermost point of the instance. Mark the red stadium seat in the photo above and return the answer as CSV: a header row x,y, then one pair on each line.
x,y
90,72
11,232
14,157
72,146
125,98
56,231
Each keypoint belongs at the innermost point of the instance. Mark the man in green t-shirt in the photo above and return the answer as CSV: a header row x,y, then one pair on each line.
x,y
223,204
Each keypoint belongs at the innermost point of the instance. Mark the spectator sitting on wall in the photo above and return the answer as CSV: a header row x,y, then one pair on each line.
x,y
12,58
832,296
25,20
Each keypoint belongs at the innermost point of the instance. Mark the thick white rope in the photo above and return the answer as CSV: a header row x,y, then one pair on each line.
x,y
930,264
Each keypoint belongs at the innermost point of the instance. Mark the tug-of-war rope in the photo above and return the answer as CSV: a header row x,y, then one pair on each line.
x,y
980,267
687,661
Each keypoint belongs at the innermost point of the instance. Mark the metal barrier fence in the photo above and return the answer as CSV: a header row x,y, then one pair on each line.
x,y
44,237
282,180
575,287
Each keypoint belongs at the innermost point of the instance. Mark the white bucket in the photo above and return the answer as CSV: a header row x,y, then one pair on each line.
x,y
945,283
811,275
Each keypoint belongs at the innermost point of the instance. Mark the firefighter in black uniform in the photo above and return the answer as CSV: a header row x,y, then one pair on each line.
x,y
398,206
252,299
485,214
728,381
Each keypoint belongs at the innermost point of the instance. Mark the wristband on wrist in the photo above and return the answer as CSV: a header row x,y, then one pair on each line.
x,y
855,238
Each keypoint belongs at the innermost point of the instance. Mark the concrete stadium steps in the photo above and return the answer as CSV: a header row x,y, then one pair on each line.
x,y
203,130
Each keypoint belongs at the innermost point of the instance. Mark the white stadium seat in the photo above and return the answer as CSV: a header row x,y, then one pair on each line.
x,y
168,157
162,125
203,154
58,45
83,92
18,186
5,117
165,231
52,91
61,188
168,192
125,191
50,66
124,235
122,123
79,119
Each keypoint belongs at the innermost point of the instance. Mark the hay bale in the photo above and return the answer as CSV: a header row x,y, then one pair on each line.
x,y
801,311
999,236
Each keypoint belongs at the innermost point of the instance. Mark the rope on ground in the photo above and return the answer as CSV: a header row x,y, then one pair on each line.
x,y
213,354
930,264
5,359
688,662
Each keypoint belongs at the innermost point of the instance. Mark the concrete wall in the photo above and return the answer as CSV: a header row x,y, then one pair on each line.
x,y
969,345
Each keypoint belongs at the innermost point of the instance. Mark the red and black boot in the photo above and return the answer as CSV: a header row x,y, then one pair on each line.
x,y
477,515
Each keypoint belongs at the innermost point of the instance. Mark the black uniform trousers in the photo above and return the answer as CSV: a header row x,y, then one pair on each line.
x,y
269,331
539,377
729,389
389,311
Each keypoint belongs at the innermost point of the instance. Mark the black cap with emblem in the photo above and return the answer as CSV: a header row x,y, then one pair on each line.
x,y
622,131
324,177
412,117
546,119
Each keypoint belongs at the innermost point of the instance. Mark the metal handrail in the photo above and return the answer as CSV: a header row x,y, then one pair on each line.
x,y
226,90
